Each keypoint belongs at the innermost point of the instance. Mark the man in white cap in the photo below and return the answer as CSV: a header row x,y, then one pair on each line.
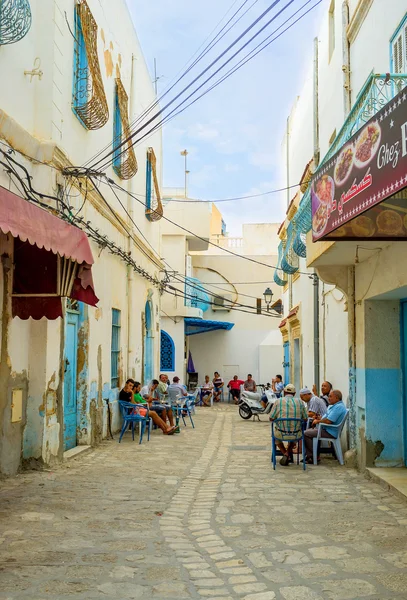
x,y
288,407
316,407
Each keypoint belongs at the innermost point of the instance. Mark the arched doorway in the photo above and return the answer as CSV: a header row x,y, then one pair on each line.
x,y
148,343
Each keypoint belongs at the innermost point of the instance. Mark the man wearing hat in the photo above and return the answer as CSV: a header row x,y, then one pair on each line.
x,y
288,407
316,406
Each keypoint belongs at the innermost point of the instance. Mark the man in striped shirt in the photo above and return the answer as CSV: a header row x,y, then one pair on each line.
x,y
288,407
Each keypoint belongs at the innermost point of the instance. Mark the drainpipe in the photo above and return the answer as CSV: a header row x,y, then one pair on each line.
x,y
346,60
316,106
130,272
314,276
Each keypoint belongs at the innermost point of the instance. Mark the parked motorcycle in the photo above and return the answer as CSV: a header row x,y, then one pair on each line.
x,y
250,402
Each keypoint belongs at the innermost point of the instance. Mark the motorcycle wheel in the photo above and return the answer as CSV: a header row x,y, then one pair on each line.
x,y
245,411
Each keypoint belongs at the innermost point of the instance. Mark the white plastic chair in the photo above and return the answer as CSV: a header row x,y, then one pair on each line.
x,y
335,441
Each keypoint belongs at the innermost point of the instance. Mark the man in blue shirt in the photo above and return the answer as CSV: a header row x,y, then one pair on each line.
x,y
334,415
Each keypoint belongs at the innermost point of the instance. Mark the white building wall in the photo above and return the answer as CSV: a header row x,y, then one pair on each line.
x,y
36,118
238,349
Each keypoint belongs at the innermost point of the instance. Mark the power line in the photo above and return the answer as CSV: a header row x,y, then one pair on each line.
x,y
247,258
175,112
123,143
185,69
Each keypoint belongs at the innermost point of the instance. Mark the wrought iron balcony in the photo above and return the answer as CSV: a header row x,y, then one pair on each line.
x,y
15,20
376,93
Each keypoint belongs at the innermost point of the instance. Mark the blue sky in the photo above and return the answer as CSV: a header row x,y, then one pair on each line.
x,y
234,133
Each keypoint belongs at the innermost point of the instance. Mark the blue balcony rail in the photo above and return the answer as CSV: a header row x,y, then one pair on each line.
x,y
375,93
279,278
196,297
15,20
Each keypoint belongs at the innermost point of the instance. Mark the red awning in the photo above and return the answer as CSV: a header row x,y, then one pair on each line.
x,y
29,222
38,284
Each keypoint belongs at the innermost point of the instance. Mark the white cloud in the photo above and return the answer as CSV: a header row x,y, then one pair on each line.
x,y
231,168
206,133
264,160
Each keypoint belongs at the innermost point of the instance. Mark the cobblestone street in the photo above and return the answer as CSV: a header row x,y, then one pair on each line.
x,y
200,515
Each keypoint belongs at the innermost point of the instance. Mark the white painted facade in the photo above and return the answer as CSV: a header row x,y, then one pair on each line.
x,y
362,331
36,119
253,345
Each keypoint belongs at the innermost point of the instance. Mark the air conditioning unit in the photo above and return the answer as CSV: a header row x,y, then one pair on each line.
x,y
222,302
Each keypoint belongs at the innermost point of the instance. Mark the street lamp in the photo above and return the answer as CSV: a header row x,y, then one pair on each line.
x,y
268,297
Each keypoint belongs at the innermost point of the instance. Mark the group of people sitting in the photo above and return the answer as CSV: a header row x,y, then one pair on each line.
x,y
213,389
327,408
158,396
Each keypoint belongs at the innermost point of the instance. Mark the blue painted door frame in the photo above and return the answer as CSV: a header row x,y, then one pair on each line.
x,y
403,354
286,363
148,344
70,378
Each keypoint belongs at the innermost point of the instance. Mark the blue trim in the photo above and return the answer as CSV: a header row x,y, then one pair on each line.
x,y
167,343
395,34
148,343
115,348
78,67
403,361
195,326
117,133
149,172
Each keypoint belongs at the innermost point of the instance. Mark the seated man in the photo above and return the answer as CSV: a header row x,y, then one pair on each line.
x,y
250,384
218,384
176,390
162,388
288,407
277,385
326,387
138,399
333,416
150,394
316,407
126,393
206,391
234,387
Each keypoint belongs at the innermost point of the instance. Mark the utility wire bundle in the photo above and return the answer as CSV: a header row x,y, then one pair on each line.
x,y
221,66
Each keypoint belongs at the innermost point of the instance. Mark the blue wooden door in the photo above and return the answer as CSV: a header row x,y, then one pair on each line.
x,y
286,363
148,345
403,353
70,367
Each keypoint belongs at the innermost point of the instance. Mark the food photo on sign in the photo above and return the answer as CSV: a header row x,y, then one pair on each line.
x,y
360,192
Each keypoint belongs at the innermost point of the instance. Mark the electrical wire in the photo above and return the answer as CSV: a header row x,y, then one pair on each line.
x,y
125,142
174,113
186,69
110,182
72,171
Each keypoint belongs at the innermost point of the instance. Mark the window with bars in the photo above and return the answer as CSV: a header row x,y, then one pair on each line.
x,y
124,158
167,352
88,95
115,352
399,48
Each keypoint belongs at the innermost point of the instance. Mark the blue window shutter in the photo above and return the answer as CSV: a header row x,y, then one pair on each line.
x,y
115,348
80,89
117,132
167,352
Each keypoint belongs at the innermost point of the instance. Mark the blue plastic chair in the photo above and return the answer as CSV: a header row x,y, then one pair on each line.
x,y
336,442
130,419
290,430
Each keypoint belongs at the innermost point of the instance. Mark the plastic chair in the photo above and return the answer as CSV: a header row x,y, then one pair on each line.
x,y
194,399
290,430
129,418
336,442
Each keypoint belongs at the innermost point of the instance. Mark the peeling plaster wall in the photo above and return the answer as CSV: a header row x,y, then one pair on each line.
x,y
39,121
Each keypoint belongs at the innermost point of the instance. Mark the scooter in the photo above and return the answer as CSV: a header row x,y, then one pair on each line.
x,y
250,402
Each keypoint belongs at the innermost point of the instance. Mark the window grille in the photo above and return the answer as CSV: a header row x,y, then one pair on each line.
x,y
167,352
15,20
124,158
399,48
115,351
89,99
154,207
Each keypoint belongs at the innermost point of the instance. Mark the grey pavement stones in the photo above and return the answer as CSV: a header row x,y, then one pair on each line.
x,y
200,515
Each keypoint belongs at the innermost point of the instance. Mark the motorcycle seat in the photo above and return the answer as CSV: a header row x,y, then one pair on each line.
x,y
253,396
